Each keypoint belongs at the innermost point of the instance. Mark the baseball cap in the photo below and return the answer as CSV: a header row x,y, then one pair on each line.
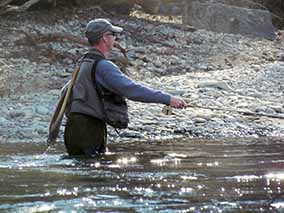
x,y
97,27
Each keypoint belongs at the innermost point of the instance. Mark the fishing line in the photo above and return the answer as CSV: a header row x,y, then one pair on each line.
x,y
46,150
167,110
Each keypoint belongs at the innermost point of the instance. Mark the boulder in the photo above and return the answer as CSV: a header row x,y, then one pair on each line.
x,y
150,6
229,19
164,7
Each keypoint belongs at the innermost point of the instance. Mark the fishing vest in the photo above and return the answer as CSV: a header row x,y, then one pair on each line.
x,y
90,98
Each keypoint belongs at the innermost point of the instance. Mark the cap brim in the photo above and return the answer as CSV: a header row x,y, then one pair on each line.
x,y
116,29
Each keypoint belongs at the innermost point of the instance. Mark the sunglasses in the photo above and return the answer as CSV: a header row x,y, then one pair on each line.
x,y
111,33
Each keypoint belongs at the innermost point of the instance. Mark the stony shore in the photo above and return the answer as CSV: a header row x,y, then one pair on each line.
x,y
208,69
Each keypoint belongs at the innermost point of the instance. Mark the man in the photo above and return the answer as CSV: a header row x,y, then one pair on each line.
x,y
85,132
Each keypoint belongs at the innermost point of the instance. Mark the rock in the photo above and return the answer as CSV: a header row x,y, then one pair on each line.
x,y
278,109
16,114
216,84
42,110
149,122
158,63
131,134
54,92
3,120
199,120
264,109
280,57
4,79
150,6
205,116
230,119
229,19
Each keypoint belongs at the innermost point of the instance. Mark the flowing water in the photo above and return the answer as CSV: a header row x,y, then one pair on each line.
x,y
237,175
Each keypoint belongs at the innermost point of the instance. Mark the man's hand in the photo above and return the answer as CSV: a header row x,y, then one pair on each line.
x,y
177,102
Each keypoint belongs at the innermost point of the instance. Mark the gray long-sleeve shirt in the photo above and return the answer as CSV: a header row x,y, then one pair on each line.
x,y
110,77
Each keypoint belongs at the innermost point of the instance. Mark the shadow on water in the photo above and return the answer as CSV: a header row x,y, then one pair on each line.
x,y
166,176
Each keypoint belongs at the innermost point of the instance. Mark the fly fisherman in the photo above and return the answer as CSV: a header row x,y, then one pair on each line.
x,y
98,94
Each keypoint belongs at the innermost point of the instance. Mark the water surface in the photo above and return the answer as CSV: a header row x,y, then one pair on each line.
x,y
233,175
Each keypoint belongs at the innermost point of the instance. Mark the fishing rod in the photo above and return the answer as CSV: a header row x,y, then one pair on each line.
x,y
168,111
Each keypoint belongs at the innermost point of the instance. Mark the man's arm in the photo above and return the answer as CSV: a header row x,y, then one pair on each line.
x,y
110,77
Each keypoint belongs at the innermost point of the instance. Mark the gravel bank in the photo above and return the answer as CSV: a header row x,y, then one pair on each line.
x,y
209,69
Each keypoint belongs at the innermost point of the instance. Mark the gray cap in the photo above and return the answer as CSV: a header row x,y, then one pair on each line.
x,y
97,27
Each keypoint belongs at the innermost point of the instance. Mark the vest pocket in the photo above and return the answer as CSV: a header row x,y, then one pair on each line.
x,y
80,93
116,115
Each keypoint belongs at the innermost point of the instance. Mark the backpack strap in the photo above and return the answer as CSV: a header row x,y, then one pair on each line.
x,y
94,68
97,58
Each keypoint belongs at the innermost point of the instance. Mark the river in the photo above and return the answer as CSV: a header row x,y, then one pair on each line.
x,y
183,175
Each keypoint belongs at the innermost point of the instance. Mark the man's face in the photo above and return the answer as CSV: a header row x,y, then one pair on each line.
x,y
109,38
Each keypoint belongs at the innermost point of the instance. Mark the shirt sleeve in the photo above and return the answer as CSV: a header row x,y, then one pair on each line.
x,y
110,77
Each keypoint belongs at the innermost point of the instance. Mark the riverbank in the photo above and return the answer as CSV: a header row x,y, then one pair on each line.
x,y
209,69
